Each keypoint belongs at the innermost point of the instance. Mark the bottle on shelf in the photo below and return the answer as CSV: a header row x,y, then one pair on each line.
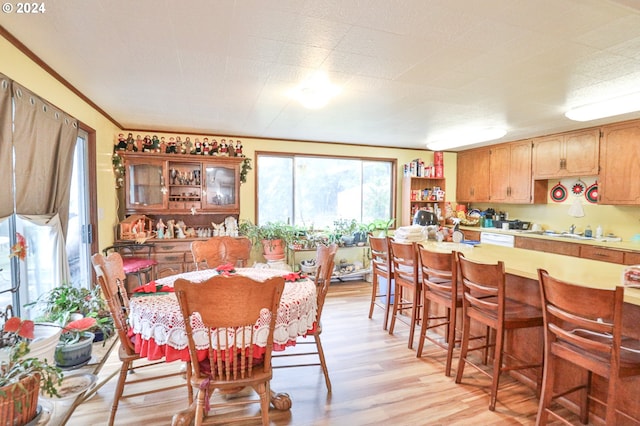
x,y
599,232
587,232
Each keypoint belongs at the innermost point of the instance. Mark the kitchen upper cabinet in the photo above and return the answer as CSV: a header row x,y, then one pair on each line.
x,y
473,176
510,178
566,155
619,164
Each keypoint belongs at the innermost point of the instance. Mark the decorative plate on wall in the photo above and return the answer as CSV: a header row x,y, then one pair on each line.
x,y
591,194
558,193
578,187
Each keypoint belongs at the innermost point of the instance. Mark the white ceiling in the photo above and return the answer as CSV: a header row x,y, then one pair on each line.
x,y
409,70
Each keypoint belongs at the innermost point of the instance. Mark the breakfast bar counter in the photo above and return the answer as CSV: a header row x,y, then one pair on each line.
x,y
521,267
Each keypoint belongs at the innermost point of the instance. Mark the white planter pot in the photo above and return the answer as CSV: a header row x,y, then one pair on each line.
x,y
43,346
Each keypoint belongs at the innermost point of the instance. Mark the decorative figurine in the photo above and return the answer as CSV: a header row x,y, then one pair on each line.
x,y
214,147
163,145
155,143
238,148
171,146
223,147
187,146
147,145
131,143
160,227
231,151
205,148
122,143
139,143
179,146
198,148
170,225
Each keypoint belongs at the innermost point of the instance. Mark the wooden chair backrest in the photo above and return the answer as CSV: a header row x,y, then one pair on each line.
x,y
325,259
230,306
576,314
218,251
483,287
380,259
111,278
138,250
404,261
439,271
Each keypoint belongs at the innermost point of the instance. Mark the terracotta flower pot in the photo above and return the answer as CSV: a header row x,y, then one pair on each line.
x,y
273,249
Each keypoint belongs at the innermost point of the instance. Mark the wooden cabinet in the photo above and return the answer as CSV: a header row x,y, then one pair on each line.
x,y
415,198
510,178
601,253
473,176
619,163
181,184
557,247
566,155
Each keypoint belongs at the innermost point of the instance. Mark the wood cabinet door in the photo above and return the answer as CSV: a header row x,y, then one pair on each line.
x,y
520,172
464,177
473,176
499,162
581,151
619,163
547,157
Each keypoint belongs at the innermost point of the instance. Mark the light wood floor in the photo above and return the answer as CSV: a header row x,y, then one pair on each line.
x,y
376,380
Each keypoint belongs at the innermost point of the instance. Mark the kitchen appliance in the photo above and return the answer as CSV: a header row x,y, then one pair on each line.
x,y
504,240
424,218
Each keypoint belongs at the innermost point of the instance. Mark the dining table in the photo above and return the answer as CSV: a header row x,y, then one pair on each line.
x,y
158,331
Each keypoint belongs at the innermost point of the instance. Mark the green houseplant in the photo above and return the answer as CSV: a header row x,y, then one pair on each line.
x,y
274,237
63,304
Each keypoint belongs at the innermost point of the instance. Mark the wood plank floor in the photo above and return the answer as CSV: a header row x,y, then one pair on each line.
x,y
376,380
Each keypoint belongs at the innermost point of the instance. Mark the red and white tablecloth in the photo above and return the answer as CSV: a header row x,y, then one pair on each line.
x,y
158,327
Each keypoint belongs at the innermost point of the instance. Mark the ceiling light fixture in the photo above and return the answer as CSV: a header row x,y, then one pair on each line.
x,y
609,108
315,92
466,137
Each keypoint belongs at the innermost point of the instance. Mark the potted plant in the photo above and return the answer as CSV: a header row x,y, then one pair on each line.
x,y
65,303
343,230
274,237
380,227
76,343
21,377
62,307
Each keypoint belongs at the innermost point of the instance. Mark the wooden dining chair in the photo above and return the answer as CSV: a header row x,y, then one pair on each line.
x,y
408,288
485,302
111,277
137,261
325,256
218,251
439,287
233,310
583,326
382,282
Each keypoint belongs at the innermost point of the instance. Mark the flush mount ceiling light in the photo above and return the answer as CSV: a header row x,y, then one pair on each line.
x,y
315,92
609,108
466,137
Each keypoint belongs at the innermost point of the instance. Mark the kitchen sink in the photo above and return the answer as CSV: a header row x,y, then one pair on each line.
x,y
567,235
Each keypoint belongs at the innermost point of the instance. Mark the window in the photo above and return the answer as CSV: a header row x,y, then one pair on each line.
x,y
39,272
313,191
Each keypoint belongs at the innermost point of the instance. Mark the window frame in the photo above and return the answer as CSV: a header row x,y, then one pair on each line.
x,y
393,162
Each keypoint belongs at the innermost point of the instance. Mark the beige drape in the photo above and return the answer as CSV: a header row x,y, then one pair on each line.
x,y
44,141
6,175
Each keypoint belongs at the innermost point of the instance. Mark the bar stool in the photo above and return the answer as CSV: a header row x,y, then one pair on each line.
x,y
583,326
484,301
407,294
381,268
439,286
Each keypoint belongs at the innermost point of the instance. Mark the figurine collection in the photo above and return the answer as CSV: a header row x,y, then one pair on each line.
x,y
139,228
175,145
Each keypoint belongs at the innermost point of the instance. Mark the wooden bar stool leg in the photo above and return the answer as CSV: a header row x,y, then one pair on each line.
x,y
423,328
387,309
451,340
497,368
374,293
464,348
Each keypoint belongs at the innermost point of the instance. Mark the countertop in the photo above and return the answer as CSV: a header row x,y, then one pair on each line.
x,y
525,263
620,245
